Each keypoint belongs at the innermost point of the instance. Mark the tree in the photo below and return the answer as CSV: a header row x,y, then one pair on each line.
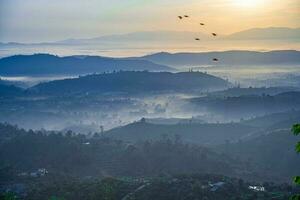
x,y
108,189
296,132
8,196
56,198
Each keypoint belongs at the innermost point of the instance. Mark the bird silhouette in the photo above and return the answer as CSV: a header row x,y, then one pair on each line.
x,y
198,39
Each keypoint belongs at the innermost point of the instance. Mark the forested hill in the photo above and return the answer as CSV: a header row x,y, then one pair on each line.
x,y
227,58
46,64
238,91
98,156
273,153
250,105
133,82
9,90
204,134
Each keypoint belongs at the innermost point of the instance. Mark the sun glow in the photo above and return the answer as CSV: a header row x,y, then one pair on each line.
x,y
247,3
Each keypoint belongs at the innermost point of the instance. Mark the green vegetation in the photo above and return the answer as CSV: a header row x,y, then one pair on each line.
x,y
175,187
56,198
296,132
8,196
96,167
261,154
82,156
202,134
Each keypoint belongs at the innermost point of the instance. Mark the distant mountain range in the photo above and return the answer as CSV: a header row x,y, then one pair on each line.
x,y
45,64
145,36
132,82
272,33
226,58
269,33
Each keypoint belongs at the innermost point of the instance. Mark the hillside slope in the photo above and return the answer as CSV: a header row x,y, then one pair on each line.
x,y
45,64
204,134
133,82
227,58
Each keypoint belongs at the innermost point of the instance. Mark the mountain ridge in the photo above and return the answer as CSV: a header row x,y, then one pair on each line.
x,y
133,82
257,33
266,33
233,57
47,64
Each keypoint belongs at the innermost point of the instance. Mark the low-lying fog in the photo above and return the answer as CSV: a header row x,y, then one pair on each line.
x,y
29,81
134,48
256,76
92,113
246,76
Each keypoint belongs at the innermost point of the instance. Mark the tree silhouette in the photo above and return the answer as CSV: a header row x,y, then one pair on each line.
x,y
296,132
8,196
56,198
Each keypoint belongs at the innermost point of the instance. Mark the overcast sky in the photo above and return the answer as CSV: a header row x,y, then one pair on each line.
x,y
51,20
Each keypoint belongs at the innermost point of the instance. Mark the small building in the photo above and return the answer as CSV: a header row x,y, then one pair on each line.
x,y
257,188
42,171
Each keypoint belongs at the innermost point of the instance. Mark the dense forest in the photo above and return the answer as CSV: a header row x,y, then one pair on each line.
x,y
177,187
133,82
80,156
98,167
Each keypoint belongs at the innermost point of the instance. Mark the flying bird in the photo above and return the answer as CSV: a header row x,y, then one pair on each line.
x,y
215,59
214,34
186,16
202,24
197,39
180,17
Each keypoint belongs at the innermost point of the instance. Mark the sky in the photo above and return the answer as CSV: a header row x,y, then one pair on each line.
x,y
53,20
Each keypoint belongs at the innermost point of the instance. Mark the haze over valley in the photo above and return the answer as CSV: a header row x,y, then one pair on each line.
x,y
119,100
